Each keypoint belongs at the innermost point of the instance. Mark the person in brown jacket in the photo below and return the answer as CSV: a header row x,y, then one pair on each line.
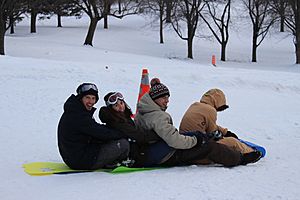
x,y
202,116
191,146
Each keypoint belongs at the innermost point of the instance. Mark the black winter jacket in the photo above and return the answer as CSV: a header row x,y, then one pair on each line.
x,y
80,136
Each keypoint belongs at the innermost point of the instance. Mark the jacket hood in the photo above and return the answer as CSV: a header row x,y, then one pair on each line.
x,y
215,98
147,105
73,105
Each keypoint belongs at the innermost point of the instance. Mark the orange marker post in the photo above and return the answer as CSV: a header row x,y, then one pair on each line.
x,y
213,60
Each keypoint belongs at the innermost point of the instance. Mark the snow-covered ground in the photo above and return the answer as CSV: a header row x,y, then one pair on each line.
x,y
41,70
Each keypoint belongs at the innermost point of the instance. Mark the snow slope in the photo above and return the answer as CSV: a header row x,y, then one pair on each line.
x,y
41,70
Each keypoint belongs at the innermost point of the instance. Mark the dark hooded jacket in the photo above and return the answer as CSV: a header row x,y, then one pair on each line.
x,y
139,139
124,123
80,136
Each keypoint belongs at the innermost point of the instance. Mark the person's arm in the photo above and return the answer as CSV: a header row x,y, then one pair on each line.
x,y
163,127
91,127
212,123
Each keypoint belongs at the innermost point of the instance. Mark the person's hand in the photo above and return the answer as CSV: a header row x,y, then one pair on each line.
x,y
216,135
202,138
231,134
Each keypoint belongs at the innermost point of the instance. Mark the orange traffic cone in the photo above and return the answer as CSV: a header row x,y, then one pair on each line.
x,y
145,86
213,60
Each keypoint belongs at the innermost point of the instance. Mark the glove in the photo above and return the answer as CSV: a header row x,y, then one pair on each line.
x,y
201,138
216,135
231,134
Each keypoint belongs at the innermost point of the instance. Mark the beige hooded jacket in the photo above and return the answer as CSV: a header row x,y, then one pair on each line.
x,y
151,117
202,116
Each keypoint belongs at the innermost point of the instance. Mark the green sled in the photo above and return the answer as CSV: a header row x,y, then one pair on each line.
x,y
49,168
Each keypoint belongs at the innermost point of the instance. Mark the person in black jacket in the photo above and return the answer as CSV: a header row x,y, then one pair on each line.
x,y
83,143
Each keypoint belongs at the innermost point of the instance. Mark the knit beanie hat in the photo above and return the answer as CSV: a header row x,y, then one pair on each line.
x,y
87,89
158,89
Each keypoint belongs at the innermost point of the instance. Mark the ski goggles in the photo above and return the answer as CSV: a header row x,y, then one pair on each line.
x,y
112,99
86,87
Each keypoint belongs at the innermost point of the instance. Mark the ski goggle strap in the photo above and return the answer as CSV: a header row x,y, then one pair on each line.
x,y
112,99
86,87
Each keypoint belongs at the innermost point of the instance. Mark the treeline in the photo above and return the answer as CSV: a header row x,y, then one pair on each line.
x,y
183,15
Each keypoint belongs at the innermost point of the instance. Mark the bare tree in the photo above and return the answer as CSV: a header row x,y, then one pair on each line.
x,y
157,6
260,15
279,7
220,21
169,4
99,9
187,11
10,11
292,20
34,8
125,8
60,8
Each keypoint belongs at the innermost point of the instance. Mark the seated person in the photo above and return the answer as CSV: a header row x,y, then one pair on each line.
x,y
152,115
202,116
83,143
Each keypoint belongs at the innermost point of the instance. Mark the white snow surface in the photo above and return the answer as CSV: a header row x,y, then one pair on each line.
x,y
40,71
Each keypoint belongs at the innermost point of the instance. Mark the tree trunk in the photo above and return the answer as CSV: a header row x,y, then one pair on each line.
x,y
91,32
223,51
297,22
161,34
168,10
254,48
282,15
120,8
106,11
282,24
59,20
12,27
33,21
190,47
297,53
2,34
105,19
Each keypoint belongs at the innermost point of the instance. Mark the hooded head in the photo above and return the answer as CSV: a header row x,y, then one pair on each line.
x,y
87,89
215,98
158,89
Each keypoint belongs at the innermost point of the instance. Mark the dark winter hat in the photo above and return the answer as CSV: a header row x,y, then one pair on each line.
x,y
87,89
158,89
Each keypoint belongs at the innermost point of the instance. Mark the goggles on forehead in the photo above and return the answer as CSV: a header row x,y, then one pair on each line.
x,y
87,87
112,99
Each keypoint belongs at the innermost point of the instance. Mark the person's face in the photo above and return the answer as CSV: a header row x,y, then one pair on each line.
x,y
162,102
89,101
119,106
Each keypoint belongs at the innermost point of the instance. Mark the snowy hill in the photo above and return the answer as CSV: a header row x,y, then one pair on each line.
x,y
41,70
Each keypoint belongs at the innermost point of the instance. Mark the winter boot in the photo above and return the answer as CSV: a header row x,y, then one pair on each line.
x,y
251,157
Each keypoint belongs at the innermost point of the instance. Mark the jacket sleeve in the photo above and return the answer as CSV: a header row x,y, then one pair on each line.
x,y
164,128
134,133
212,123
101,132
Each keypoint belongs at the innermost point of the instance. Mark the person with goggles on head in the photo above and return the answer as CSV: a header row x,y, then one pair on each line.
x,y
147,149
83,143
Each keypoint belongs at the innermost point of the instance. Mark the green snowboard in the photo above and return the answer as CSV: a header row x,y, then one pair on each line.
x,y
49,168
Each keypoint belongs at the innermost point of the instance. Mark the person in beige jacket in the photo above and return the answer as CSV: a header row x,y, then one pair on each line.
x,y
189,147
202,116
